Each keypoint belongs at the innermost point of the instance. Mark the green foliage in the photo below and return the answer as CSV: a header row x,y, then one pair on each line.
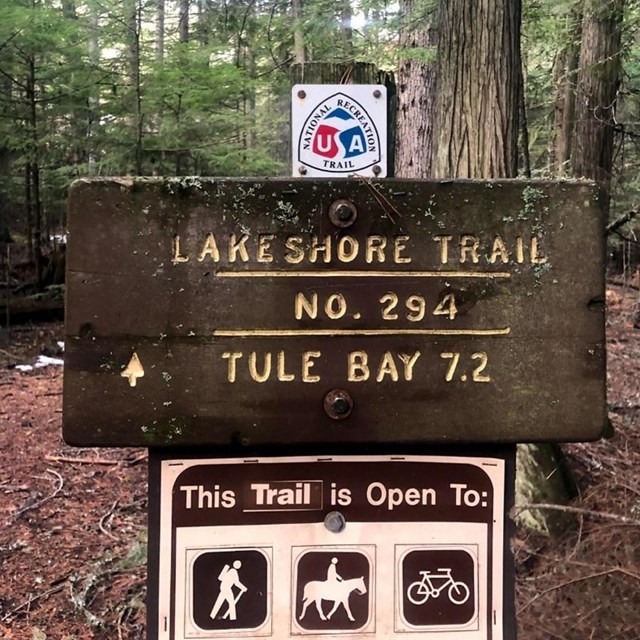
x,y
84,90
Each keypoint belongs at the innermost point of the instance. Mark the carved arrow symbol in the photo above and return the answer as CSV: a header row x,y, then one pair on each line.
x,y
133,370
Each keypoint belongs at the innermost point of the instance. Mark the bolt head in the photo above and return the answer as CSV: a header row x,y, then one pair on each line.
x,y
335,522
302,94
342,213
338,404
377,169
377,93
302,170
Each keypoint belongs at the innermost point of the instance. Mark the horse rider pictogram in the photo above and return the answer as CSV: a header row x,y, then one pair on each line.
x,y
334,589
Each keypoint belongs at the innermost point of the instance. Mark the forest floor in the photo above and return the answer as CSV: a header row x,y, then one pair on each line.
x,y
73,521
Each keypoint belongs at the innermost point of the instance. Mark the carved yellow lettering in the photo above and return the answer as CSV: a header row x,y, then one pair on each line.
x,y
469,247
399,245
210,248
238,247
387,367
347,249
320,247
264,244
335,306
499,250
519,250
358,371
307,364
375,247
231,356
536,256
283,376
253,367
177,256
409,361
444,247
303,305
294,253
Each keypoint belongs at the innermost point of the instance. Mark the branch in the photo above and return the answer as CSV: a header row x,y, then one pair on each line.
x,y
599,574
6,75
39,503
51,458
103,520
28,602
577,510
622,220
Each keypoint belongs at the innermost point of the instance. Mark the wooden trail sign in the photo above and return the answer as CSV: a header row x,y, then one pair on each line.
x,y
260,312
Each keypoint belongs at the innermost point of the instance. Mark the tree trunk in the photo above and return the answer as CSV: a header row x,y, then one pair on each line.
x,y
416,92
250,99
476,122
598,81
299,48
160,30
542,478
69,10
479,84
36,204
183,21
565,72
346,29
28,205
525,158
132,9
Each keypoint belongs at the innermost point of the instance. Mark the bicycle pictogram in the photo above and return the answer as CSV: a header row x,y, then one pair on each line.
x,y
421,590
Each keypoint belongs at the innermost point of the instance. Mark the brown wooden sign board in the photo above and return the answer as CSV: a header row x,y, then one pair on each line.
x,y
265,312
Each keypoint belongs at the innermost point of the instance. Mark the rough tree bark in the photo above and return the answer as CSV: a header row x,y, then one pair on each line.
x,y
346,29
565,75
132,13
160,13
416,91
477,105
183,21
34,199
476,124
299,48
598,81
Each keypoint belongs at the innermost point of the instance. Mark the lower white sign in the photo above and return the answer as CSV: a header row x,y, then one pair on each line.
x,y
308,546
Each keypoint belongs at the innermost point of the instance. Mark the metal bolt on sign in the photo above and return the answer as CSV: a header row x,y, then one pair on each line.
x,y
338,404
335,522
343,213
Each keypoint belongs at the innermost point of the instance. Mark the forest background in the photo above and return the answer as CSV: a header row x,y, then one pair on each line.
x,y
168,87
179,87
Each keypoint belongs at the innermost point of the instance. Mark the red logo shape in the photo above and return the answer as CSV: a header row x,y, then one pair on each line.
x,y
324,143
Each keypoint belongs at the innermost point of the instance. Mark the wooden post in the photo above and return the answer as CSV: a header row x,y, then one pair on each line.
x,y
354,73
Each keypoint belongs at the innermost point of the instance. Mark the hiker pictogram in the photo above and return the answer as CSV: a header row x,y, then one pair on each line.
x,y
229,579
332,590
231,589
